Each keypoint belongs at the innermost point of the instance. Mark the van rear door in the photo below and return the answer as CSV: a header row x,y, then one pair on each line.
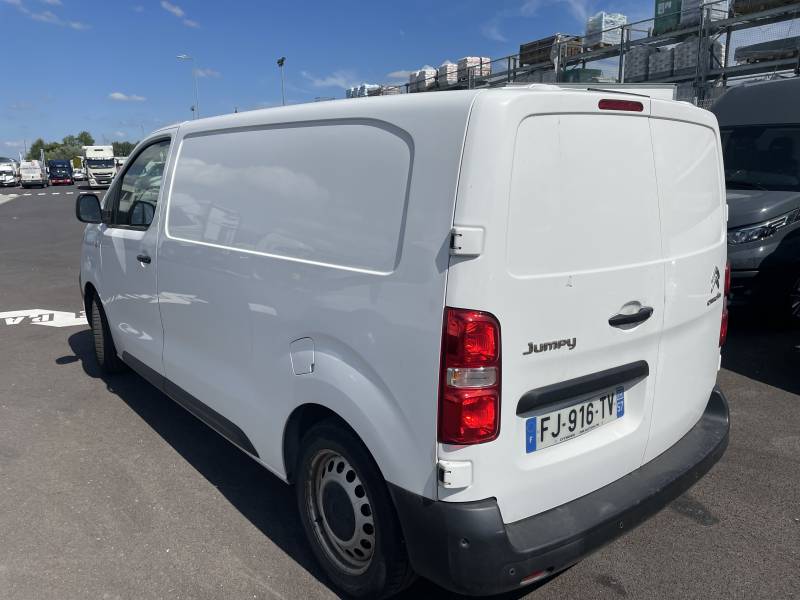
x,y
571,266
691,184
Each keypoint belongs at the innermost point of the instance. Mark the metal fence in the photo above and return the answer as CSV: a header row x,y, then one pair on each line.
x,y
695,48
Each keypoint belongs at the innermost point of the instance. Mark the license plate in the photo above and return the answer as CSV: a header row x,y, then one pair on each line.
x,y
568,423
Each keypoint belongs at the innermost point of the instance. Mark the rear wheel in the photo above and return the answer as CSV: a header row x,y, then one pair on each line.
x,y
793,302
104,350
348,516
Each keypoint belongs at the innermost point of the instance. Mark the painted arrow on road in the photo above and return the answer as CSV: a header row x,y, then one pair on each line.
x,y
41,316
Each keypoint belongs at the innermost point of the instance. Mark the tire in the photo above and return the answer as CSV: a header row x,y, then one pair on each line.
x,y
340,489
105,353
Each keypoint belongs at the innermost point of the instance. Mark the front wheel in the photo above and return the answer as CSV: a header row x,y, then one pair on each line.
x,y
348,516
104,350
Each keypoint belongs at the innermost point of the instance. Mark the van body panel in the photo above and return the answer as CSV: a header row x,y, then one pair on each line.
x,y
231,310
563,253
691,187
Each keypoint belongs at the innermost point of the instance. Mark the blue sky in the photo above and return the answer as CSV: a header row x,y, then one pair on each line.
x,y
110,67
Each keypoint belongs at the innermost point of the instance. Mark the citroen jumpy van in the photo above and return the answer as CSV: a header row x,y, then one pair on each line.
x,y
479,331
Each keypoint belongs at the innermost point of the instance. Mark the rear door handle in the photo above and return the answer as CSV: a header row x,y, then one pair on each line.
x,y
143,258
633,319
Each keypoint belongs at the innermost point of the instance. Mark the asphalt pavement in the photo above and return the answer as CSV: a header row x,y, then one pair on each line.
x,y
109,490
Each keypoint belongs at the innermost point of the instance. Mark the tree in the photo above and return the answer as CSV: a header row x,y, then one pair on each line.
x,y
85,138
123,148
35,150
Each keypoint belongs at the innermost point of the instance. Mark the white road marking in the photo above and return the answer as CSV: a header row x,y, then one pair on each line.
x,y
54,193
27,194
40,194
7,198
40,316
69,192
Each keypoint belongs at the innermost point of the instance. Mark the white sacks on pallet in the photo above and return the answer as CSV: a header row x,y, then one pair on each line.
x,y
690,12
597,27
637,63
660,64
426,79
686,55
474,66
448,74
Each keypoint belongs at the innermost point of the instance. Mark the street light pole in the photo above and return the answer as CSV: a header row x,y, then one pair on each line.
x,y
196,107
281,62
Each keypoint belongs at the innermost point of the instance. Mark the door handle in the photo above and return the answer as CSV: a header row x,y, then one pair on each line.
x,y
143,258
633,319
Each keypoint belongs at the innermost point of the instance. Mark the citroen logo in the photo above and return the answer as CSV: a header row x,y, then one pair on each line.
x,y
714,280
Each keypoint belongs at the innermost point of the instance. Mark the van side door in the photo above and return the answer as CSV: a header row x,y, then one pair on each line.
x,y
128,256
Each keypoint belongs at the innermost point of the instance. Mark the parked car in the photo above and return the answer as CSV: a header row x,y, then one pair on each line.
x,y
472,364
760,127
8,175
60,172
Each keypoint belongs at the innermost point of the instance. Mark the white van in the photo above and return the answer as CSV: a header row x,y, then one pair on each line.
x,y
478,330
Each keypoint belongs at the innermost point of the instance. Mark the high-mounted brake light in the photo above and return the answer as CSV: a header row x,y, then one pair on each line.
x,y
469,394
629,105
723,325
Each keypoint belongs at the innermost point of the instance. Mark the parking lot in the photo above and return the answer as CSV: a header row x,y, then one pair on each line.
x,y
109,490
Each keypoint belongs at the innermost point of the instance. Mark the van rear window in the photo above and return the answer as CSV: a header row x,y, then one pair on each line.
x,y
332,193
762,157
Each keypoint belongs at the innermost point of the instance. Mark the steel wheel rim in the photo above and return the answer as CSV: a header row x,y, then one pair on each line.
x,y
354,555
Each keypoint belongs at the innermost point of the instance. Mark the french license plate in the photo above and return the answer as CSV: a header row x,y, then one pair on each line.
x,y
568,423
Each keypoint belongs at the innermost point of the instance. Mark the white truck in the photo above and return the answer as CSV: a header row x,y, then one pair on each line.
x,y
33,172
9,172
99,164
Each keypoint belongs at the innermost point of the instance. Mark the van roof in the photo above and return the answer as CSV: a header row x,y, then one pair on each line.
x,y
779,100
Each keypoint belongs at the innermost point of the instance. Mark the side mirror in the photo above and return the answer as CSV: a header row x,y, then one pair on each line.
x,y
87,209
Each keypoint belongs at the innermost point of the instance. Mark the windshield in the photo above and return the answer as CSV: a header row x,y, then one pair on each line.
x,y
762,157
100,163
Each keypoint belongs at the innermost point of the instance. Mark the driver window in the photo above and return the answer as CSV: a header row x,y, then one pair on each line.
x,y
140,185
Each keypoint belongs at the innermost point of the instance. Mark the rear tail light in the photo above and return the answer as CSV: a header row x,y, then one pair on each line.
x,y
629,105
469,395
723,326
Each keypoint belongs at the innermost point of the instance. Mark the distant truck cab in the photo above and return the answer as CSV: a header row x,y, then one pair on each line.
x,y
60,172
479,331
100,165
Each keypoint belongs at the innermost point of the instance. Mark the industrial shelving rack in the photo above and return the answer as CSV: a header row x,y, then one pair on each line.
x,y
707,74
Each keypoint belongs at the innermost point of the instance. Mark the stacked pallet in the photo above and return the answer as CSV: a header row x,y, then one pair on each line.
x,y
448,74
603,29
547,49
426,79
659,64
746,7
667,17
686,56
474,66
637,63
690,12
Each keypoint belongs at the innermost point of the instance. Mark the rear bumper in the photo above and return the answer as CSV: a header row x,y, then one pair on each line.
x,y
466,547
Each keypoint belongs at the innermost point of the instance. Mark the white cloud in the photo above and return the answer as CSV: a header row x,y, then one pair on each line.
x,y
173,8
340,79
491,31
46,16
207,73
138,8
178,12
120,134
578,9
120,97
400,74
14,144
